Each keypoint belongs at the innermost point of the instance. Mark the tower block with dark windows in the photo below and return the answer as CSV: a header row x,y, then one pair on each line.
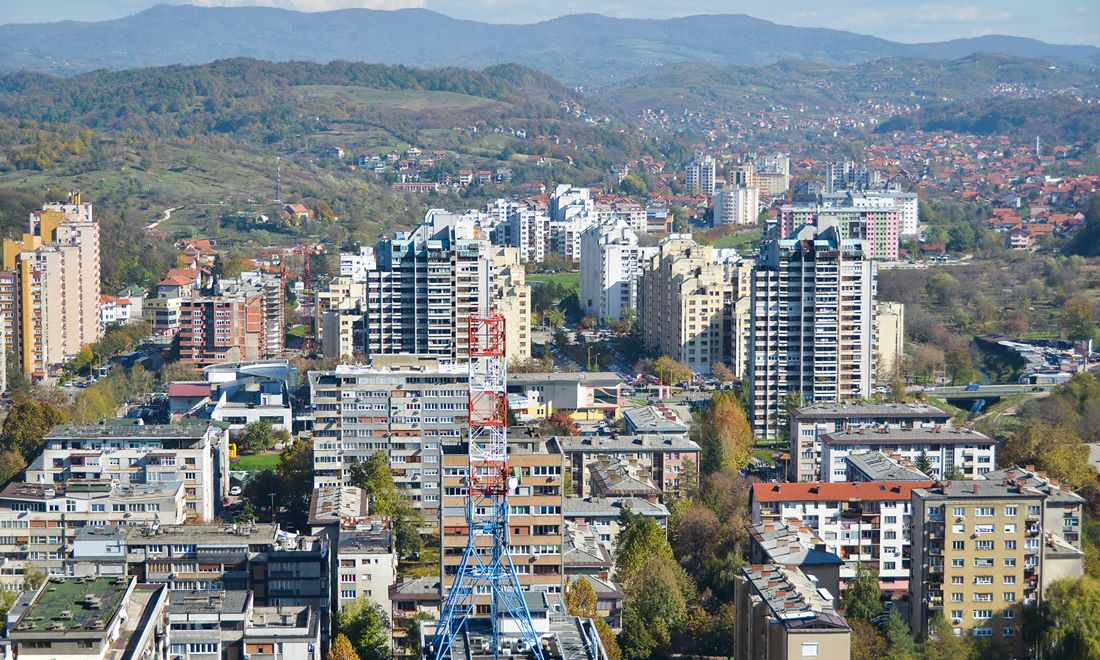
x,y
486,570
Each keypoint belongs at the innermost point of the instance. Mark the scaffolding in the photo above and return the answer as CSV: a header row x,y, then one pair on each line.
x,y
486,567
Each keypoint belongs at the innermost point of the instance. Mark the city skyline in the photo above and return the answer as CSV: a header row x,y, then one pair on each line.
x,y
910,21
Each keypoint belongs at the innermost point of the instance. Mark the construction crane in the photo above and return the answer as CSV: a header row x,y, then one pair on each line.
x,y
486,566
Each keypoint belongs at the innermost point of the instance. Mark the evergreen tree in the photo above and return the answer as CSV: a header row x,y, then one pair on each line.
x,y
862,598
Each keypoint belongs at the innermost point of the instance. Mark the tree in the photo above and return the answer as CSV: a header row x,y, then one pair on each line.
x,y
580,600
1078,319
640,538
1069,619
258,436
654,608
27,423
559,422
868,643
671,371
943,643
861,601
924,464
724,434
374,476
323,212
633,185
179,371
366,627
721,372
342,649
1058,451
32,578
954,474
901,643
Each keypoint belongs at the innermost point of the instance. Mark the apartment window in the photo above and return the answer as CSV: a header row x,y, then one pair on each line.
x,y
984,529
1010,562
1034,510
1010,528
983,562
984,511
983,579
347,593
1008,631
983,597
982,632
809,649
1010,596
959,512
956,579
958,545
956,597
1010,545
982,615
958,529
1010,579
1010,512
958,563
985,545
956,614
1008,614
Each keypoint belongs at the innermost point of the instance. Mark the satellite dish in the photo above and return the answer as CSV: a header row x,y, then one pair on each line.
x,y
512,483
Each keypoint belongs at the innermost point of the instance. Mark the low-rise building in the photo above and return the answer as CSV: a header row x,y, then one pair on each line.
x,y
790,543
228,624
91,619
780,614
604,514
808,423
877,466
665,456
584,395
969,453
656,420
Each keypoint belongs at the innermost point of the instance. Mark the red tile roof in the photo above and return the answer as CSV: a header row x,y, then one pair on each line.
x,y
189,389
840,491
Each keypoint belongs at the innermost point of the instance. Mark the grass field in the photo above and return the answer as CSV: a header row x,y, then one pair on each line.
x,y
569,280
412,100
744,240
258,462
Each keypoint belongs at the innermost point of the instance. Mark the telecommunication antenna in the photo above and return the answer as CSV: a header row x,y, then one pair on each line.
x,y
488,482
278,180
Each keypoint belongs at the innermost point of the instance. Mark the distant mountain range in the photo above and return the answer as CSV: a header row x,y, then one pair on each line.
x,y
579,49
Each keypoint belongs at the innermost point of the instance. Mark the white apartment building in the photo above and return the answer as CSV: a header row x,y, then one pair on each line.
x,y
972,453
809,423
813,302
631,214
611,264
355,265
195,454
906,204
526,227
700,177
406,406
848,175
860,522
736,205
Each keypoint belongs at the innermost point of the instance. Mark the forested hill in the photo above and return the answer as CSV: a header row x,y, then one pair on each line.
x,y
262,99
580,49
1060,120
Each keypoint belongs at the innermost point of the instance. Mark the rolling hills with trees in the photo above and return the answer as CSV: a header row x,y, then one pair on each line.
x,y
581,49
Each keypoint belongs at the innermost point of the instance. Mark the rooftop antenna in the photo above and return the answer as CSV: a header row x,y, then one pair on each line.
x,y
1038,148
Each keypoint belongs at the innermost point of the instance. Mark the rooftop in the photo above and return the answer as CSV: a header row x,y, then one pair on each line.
x,y
792,598
609,507
887,410
976,489
936,435
654,419
839,491
600,378
622,443
369,538
184,602
1031,478
143,432
75,604
206,533
876,466
332,505
791,543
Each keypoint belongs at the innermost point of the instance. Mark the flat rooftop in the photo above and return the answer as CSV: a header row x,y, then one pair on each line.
x,y
878,435
331,505
204,534
608,507
208,602
626,443
139,432
600,378
64,605
654,419
877,466
376,540
883,410
977,489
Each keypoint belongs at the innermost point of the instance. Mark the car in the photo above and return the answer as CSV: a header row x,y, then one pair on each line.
x,y
929,388
973,387
880,390
234,490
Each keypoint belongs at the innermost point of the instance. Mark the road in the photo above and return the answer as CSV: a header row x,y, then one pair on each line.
x,y
989,390
165,216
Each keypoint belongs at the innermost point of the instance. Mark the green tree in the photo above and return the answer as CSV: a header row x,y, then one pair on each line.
x,y
954,474
900,641
654,608
366,627
375,476
861,601
640,538
943,643
342,649
258,436
580,600
633,185
1069,620
923,463
323,212
27,423
1078,319
724,434
32,578
868,643
671,371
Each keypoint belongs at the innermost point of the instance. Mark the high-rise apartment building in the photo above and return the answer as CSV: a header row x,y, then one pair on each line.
x,y
527,227
54,298
693,303
813,301
428,282
572,211
234,320
737,206
907,205
849,175
700,177
982,552
879,226
889,339
611,263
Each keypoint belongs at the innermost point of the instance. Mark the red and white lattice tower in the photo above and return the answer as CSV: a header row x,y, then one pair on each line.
x,y
488,484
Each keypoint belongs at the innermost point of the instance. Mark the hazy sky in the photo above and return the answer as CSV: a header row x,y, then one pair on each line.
x,y
1056,21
